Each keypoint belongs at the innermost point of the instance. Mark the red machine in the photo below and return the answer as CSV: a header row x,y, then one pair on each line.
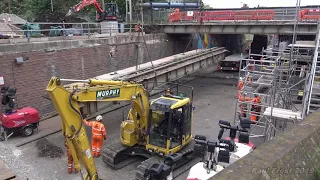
x,y
111,12
20,121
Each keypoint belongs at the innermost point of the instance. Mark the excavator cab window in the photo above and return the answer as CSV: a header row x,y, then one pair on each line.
x,y
169,124
186,124
176,128
158,133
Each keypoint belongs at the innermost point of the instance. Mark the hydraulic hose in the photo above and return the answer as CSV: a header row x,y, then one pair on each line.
x,y
75,110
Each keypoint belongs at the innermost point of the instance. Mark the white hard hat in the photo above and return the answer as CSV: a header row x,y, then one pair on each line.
x,y
99,118
240,78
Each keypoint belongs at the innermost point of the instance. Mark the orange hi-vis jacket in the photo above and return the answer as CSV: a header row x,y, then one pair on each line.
x,y
97,128
243,99
240,85
256,100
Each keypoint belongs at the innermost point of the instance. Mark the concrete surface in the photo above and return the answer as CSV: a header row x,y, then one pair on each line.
x,y
291,155
214,99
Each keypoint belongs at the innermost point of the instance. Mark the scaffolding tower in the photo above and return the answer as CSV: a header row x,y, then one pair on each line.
x,y
288,82
272,76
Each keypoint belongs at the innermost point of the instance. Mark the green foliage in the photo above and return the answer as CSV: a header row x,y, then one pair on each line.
x,y
318,173
32,9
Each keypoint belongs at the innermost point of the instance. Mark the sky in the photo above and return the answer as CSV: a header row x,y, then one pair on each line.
x,y
255,3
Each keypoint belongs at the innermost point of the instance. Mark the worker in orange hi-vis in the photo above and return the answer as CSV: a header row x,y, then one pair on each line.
x,y
251,64
240,84
243,106
249,79
262,64
70,159
98,135
256,109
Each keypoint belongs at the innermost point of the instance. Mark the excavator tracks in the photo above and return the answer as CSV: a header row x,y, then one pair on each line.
x,y
187,152
115,156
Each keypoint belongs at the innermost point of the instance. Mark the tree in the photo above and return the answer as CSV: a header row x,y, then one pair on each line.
x,y
207,6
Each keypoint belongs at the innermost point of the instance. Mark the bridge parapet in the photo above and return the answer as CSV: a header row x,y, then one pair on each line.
x,y
248,15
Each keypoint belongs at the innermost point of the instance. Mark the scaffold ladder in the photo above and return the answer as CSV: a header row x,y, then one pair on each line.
x,y
313,99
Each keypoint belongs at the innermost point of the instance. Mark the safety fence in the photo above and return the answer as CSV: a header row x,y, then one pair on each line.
x,y
54,29
207,16
309,14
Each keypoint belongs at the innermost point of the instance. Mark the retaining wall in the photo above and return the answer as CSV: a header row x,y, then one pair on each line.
x,y
78,59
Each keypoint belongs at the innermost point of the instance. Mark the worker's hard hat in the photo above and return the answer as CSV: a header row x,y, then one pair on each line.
x,y
240,78
99,118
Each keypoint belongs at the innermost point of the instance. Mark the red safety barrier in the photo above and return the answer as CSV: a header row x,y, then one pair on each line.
x,y
206,16
309,14
244,15
196,15
222,15
263,15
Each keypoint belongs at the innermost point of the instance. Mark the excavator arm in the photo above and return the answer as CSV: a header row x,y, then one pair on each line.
x,y
84,3
66,102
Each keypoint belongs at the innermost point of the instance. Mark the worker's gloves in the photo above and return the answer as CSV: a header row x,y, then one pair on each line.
x,y
105,137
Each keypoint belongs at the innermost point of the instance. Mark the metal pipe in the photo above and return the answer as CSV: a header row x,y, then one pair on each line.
x,y
75,80
169,5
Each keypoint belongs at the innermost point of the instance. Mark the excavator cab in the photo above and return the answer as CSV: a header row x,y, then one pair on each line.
x,y
169,124
111,11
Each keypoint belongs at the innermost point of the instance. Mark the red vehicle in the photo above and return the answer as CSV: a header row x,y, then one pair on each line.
x,y
20,121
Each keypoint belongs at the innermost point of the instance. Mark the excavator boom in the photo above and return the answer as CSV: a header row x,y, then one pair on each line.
x,y
84,3
72,128
66,102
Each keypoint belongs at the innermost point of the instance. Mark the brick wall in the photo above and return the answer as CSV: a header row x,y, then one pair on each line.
x,y
32,77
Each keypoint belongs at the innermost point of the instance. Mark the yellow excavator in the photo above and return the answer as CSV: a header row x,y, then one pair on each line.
x,y
157,129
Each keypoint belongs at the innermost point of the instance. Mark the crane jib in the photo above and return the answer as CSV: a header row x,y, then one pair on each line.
x,y
110,93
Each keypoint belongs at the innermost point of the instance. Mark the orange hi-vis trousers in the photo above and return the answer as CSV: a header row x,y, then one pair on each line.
x,y
70,162
98,134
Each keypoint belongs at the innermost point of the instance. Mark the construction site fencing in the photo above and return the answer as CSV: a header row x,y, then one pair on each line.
x,y
309,14
244,15
66,29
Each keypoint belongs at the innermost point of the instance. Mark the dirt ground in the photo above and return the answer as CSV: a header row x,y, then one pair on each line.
x,y
45,159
